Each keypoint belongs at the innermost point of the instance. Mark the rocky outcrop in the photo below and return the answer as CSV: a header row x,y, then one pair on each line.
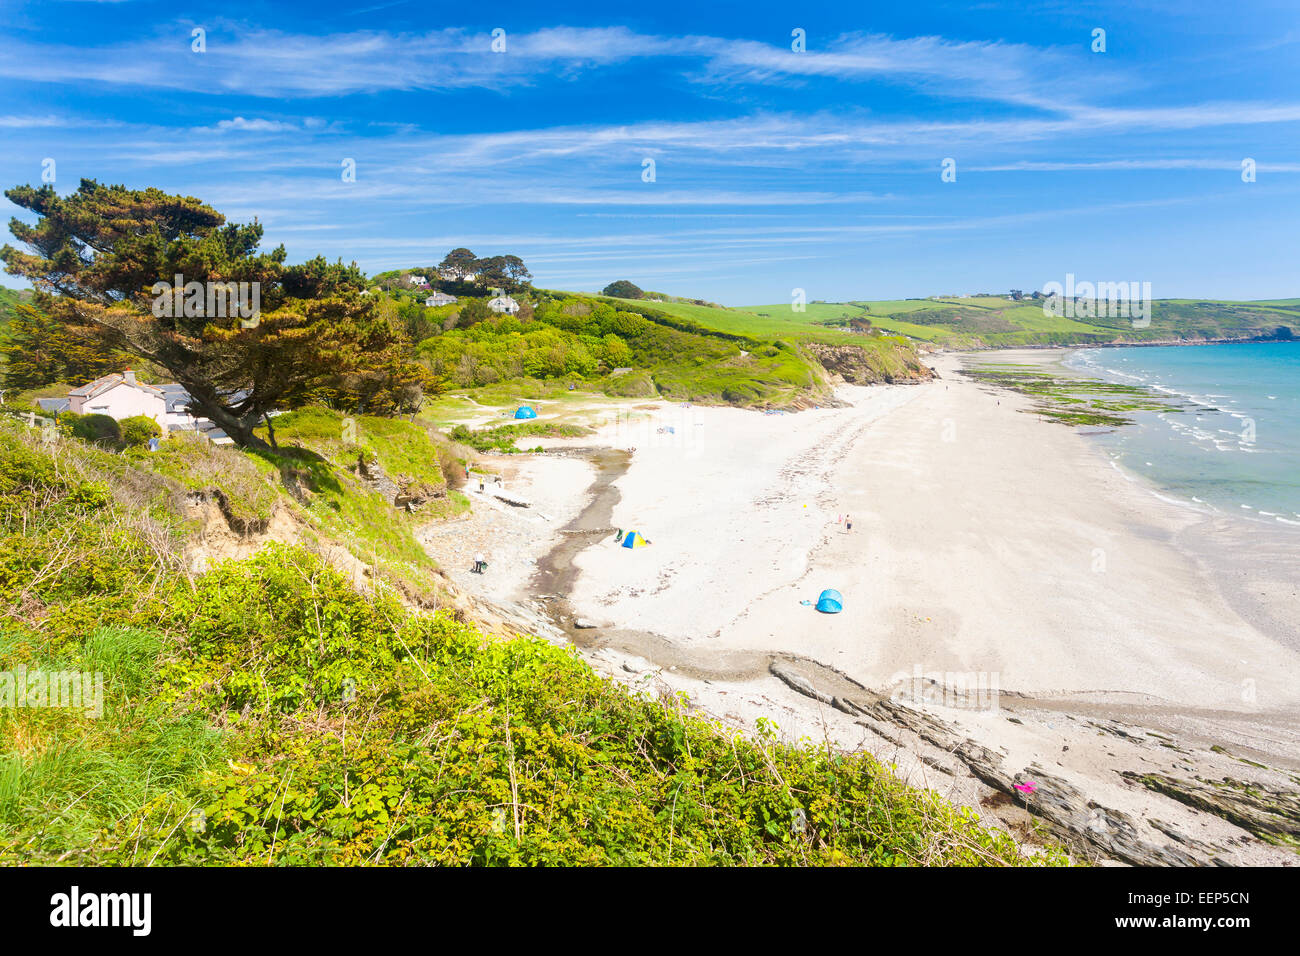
x,y
1269,814
870,366
404,492
412,494
796,681
1083,825
239,524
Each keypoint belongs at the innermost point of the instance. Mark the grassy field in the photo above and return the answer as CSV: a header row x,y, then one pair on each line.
x,y
764,357
635,350
766,322
991,321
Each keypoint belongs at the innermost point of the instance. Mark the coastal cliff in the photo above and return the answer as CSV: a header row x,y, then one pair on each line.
x,y
860,366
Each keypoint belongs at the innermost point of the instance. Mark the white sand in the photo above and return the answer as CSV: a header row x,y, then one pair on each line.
x,y
733,502
984,540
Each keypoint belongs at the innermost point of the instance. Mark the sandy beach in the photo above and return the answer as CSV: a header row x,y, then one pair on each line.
x,y
989,549
983,541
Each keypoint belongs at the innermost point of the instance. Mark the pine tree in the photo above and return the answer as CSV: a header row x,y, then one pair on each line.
x,y
101,255
39,350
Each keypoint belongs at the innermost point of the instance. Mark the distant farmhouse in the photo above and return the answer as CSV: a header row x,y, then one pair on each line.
x,y
420,282
503,303
122,396
439,298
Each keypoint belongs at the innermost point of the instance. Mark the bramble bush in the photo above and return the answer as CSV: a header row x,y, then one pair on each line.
x,y
98,429
138,429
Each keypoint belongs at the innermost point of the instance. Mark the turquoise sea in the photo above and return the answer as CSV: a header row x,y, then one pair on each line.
x,y
1235,446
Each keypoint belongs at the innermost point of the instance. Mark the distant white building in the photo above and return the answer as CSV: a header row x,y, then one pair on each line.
x,y
503,303
417,280
439,298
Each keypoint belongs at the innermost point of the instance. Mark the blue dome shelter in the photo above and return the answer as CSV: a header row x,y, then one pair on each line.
x,y
830,602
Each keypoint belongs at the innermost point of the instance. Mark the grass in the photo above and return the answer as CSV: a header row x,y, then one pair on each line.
x,y
992,321
65,778
246,484
504,439
771,375
501,399
764,322
312,477
319,449
948,321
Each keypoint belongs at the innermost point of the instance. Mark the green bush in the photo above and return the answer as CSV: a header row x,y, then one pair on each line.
x,y
98,429
138,429
502,438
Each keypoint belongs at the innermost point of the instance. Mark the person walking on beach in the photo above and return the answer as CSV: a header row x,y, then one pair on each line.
x,y
848,523
479,563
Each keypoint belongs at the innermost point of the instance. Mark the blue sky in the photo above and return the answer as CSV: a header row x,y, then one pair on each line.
x,y
774,169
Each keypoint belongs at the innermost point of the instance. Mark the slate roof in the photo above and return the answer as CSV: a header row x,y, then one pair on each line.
x,y
113,379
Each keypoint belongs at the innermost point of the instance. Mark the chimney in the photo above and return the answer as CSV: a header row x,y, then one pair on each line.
x,y
129,375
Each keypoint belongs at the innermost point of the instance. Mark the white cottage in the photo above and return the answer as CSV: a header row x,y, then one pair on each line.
x,y
439,298
119,396
503,303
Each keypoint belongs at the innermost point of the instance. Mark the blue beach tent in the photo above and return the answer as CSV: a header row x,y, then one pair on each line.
x,y
634,539
525,411
830,602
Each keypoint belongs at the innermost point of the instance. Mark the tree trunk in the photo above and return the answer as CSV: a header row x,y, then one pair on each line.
x,y
239,428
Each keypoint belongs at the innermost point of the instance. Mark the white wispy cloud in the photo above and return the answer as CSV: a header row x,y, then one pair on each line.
x,y
764,160
52,121
241,124
271,63
29,122
1136,164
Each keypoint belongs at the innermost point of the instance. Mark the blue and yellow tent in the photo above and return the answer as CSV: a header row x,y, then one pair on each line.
x,y
634,539
830,602
525,411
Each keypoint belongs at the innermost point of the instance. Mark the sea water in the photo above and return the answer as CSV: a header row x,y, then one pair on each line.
x,y
1235,445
